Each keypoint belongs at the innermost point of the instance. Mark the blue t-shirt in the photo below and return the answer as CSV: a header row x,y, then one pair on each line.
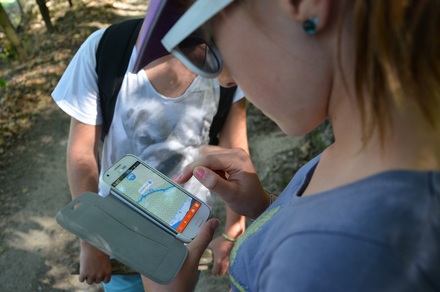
x,y
381,233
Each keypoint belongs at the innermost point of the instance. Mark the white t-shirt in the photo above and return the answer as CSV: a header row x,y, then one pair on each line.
x,y
164,132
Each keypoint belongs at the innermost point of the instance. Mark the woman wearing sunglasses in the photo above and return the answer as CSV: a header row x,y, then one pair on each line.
x,y
365,214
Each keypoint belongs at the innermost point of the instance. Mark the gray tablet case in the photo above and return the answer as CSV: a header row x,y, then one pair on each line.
x,y
119,231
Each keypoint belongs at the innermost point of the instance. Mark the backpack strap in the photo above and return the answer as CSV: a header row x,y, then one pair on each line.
x,y
112,57
224,105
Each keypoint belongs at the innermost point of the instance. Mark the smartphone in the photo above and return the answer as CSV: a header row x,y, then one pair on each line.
x,y
157,197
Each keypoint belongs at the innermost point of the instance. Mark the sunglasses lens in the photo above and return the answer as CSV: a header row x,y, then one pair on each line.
x,y
200,54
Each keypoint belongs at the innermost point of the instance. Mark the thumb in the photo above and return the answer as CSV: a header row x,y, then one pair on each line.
x,y
202,240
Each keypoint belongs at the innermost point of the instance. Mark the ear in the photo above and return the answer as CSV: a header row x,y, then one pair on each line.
x,y
303,10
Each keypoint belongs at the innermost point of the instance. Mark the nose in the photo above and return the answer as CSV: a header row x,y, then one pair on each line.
x,y
228,84
225,79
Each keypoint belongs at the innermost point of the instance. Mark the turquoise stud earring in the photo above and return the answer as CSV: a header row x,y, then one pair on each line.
x,y
310,25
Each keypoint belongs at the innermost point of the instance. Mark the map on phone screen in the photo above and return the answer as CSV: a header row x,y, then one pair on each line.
x,y
157,196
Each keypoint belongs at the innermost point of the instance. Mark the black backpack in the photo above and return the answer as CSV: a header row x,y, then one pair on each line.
x,y
112,57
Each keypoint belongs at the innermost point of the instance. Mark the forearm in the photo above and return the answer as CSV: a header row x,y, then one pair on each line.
x,y
82,159
234,132
82,174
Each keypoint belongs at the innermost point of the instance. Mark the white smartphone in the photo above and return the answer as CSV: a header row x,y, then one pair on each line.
x,y
157,197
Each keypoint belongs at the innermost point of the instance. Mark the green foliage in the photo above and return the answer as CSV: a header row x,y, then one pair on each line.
x,y
7,2
8,53
13,10
2,83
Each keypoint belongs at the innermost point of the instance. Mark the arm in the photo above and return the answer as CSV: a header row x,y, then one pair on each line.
x,y
232,135
234,132
83,175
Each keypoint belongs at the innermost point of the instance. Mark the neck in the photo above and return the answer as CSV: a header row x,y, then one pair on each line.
x,y
169,76
410,145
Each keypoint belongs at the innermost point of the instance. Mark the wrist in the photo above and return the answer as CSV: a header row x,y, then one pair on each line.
x,y
234,231
84,245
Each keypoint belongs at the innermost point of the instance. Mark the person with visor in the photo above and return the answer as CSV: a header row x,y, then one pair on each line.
x,y
364,215
163,115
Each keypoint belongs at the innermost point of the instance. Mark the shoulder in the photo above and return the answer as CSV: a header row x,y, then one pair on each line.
x,y
321,261
387,224
77,92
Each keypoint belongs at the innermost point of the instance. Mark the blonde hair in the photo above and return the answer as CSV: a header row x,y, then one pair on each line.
x,y
397,57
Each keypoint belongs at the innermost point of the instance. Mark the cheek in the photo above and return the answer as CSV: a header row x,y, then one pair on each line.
x,y
261,81
245,64
276,90
277,81
248,55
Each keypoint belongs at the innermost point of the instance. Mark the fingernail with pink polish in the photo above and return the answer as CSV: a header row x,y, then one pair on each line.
x,y
199,172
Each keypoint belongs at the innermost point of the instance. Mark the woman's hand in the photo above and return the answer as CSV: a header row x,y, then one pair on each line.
x,y
230,174
187,278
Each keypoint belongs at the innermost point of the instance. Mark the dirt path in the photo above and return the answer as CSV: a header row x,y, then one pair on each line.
x,y
35,252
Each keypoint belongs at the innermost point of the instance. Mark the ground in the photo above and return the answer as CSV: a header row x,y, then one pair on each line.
x,y
35,252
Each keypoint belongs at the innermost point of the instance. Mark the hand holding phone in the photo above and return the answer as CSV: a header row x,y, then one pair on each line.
x,y
242,191
157,197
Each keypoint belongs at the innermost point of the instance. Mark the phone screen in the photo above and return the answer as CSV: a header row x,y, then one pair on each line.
x,y
156,195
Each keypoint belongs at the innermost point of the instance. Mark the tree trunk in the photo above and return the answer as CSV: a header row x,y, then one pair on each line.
x,y
22,13
45,13
12,35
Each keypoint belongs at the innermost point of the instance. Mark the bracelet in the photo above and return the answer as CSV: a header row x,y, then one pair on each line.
x,y
230,239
